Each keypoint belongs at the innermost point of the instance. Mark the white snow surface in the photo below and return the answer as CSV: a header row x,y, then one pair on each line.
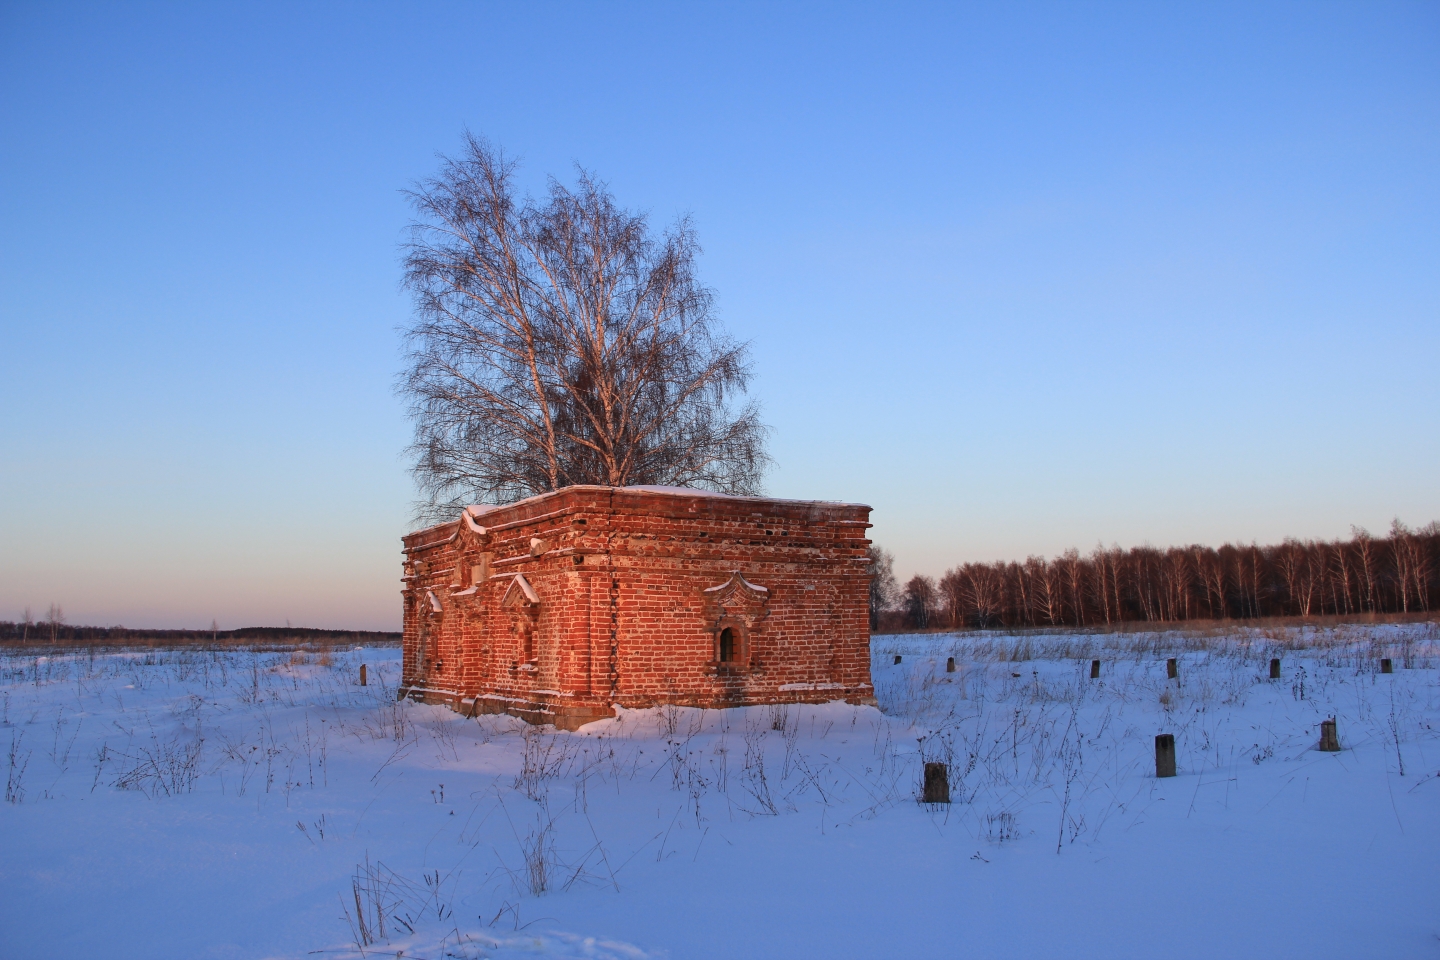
x,y
184,804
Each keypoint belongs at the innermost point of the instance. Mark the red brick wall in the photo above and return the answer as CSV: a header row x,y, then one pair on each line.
x,y
624,617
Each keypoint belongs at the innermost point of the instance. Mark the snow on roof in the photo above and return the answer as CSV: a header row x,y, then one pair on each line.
x,y
470,513
678,491
733,577
712,495
523,585
480,509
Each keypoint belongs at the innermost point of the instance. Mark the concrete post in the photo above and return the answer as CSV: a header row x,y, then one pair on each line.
x,y
1165,754
1329,741
937,783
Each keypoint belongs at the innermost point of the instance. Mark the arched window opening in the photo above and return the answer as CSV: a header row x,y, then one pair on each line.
x,y
727,645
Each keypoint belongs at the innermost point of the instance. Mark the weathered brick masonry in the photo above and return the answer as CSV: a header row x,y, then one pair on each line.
x,y
558,607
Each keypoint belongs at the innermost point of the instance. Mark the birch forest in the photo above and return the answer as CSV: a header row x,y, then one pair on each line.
x,y
1366,574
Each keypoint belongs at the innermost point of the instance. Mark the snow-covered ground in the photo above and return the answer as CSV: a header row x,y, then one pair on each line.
x,y
232,804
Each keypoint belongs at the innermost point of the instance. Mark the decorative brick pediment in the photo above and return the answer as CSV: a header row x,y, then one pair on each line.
x,y
737,599
520,593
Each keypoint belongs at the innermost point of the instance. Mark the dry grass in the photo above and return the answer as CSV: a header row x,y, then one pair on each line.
x,y
1401,641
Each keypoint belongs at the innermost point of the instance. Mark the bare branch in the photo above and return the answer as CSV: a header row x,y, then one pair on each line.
x,y
557,342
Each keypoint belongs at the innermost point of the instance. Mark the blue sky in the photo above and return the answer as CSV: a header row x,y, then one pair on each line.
x,y
1022,277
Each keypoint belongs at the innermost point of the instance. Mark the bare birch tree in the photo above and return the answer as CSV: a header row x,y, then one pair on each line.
x,y
984,589
1073,569
558,341
1340,577
882,582
1421,565
1045,589
952,596
1019,575
1408,561
1364,545
1210,573
919,599
1141,565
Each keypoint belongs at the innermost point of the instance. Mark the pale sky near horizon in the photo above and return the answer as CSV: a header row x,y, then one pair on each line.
x,y
1020,276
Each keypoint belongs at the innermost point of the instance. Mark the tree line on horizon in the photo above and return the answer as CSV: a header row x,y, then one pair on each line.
x,y
54,629
1366,574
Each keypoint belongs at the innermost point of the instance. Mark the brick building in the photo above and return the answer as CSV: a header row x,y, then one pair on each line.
x,y
560,606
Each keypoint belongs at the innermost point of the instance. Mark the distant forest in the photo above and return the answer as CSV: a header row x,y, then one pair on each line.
x,y
54,631
1366,574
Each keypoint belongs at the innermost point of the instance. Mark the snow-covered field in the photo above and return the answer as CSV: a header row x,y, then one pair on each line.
x,y
183,804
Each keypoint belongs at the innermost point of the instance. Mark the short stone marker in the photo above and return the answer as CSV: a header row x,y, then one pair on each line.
x,y
1165,754
362,674
1172,669
1329,741
1274,668
950,665
1094,669
937,783
897,658
1386,666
